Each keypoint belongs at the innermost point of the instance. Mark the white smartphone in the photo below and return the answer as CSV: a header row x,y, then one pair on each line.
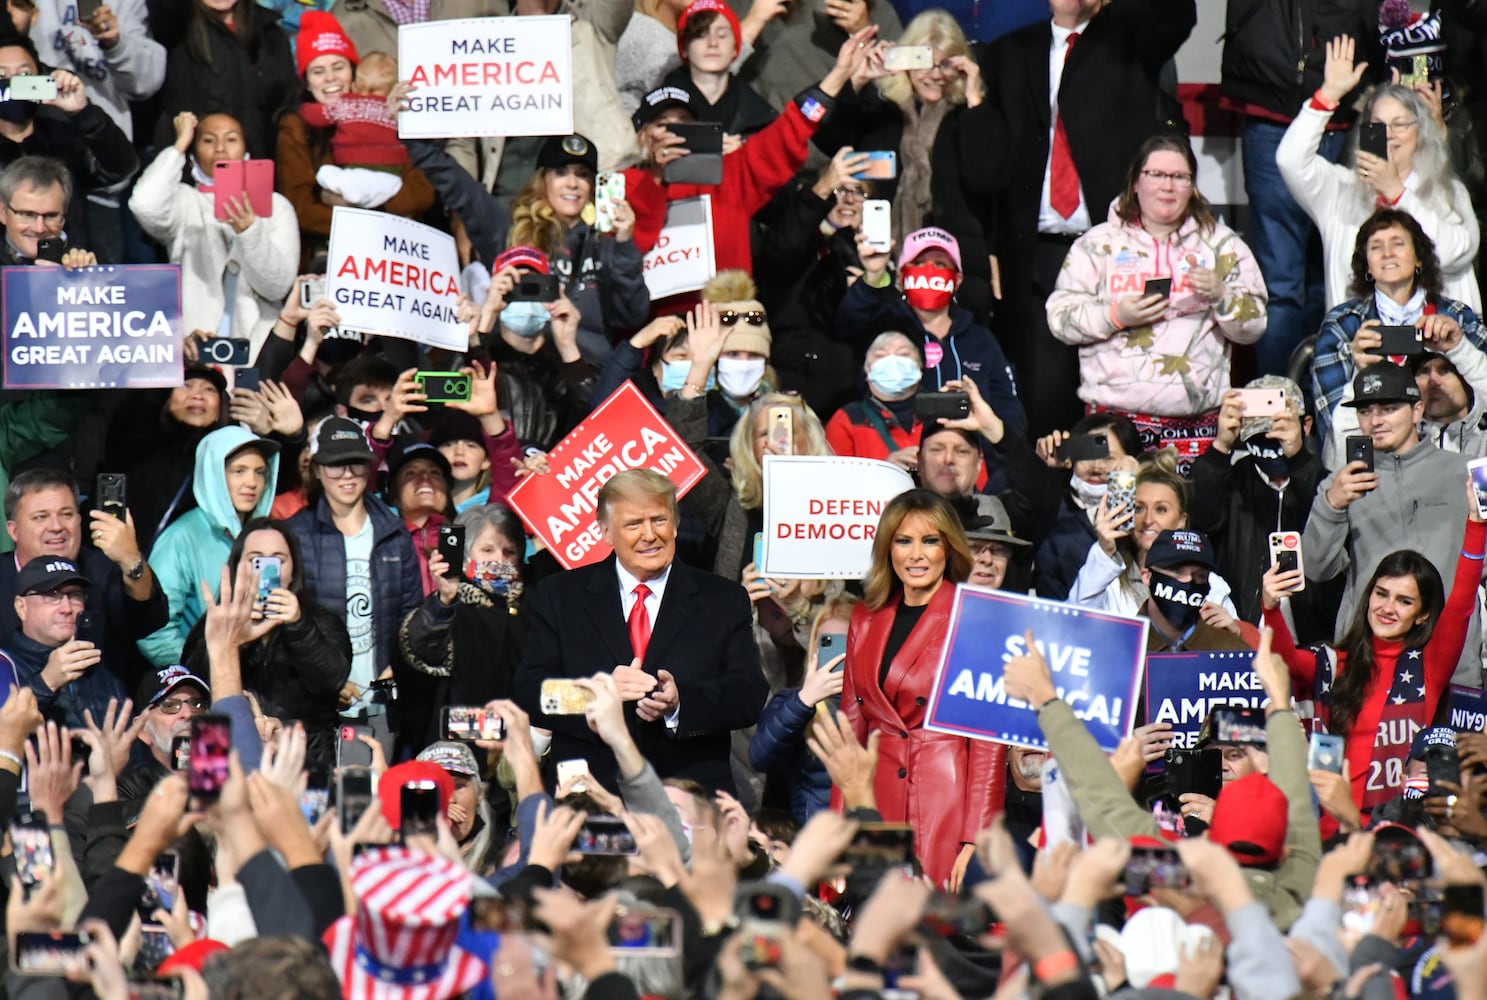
x,y
575,768
33,88
1285,553
902,58
1261,402
877,224
608,189
1477,469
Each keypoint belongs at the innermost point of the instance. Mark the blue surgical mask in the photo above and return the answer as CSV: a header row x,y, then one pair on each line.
x,y
894,374
525,319
674,376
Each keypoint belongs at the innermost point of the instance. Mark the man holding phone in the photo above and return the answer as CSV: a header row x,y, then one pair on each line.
x,y
168,699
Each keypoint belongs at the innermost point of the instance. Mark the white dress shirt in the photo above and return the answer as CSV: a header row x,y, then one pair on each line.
x,y
1049,221
628,583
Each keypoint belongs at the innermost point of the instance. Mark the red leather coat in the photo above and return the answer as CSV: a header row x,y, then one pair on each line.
x,y
947,787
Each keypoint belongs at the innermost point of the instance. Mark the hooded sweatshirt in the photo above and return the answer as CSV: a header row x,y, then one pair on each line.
x,y
196,547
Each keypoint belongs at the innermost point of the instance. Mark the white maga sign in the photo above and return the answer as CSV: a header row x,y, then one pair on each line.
x,y
487,76
395,277
821,512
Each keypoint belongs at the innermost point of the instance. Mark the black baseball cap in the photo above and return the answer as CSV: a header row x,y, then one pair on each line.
x,y
341,440
159,683
659,100
562,150
1181,547
46,574
1383,383
406,448
207,373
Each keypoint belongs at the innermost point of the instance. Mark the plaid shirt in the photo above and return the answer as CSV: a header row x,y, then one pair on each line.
x,y
1332,368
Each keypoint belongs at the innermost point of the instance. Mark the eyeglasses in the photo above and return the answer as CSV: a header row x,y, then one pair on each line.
x,y
348,469
729,317
1178,180
946,68
849,194
50,219
171,706
1397,127
980,548
56,597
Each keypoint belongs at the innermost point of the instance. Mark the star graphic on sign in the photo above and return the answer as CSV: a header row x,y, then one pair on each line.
x,y
1413,654
1406,677
1422,692
1399,699
1326,687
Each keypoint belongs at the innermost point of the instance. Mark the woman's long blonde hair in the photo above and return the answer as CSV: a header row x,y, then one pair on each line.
x,y
533,222
748,477
936,28
881,582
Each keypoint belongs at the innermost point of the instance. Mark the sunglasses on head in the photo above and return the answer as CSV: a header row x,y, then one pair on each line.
x,y
729,317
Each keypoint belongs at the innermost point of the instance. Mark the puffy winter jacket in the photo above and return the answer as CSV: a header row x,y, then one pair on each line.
x,y
1180,365
196,547
779,743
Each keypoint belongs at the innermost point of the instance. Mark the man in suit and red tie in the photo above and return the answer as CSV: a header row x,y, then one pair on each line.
x,y
678,641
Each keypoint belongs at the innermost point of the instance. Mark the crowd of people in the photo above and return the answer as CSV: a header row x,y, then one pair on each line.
x,y
296,705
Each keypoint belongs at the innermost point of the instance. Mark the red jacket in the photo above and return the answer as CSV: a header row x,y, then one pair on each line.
x,y
947,787
751,176
849,432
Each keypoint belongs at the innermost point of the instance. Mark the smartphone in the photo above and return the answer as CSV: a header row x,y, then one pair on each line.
x,y
1477,470
228,180
311,291
140,987
1374,138
162,886
452,548
1395,340
180,753
50,954
575,767
902,58
830,645
645,930
350,751
229,351
111,493
211,743
902,963
1461,914
1360,449
1443,765
86,9
877,224
882,165
782,430
496,915
1261,402
1325,752
314,801
1399,856
1084,448
51,249
877,847
270,573
942,405
759,555
608,189
606,836
235,178
703,163
354,794
1157,286
1155,868
762,949
1233,725
89,627
247,379
1197,771
33,88
1285,553
419,802
445,387
1120,490
761,906
31,843
471,722
533,287
562,697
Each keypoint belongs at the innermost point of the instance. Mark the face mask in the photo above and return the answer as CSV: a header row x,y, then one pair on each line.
x,y
17,112
1178,602
894,374
1089,494
674,376
1268,456
525,319
363,416
495,577
739,377
928,288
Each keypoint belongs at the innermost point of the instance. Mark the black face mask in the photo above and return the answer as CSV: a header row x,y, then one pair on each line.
x,y
17,112
363,416
1177,601
1268,456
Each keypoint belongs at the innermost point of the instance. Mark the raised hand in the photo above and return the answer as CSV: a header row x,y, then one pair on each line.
x,y
1340,76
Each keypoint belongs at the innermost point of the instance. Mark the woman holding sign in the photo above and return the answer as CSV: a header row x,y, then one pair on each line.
x,y
1384,680
946,787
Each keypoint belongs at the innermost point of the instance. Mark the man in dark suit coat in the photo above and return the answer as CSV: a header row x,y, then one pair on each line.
x,y
699,676
1109,100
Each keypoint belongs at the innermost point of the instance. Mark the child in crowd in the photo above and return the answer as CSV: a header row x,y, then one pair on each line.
x,y
364,139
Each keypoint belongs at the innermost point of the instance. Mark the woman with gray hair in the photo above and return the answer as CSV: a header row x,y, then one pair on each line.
x,y
883,425
1413,174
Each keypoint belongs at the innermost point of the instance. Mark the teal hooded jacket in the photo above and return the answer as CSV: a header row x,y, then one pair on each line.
x,y
196,546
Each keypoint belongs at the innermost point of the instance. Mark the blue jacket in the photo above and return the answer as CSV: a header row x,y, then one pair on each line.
x,y
196,546
1062,552
779,743
65,707
397,587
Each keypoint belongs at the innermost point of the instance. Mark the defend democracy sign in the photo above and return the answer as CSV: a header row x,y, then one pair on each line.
x,y
821,512
1182,688
487,76
395,277
1095,658
99,327
682,259
623,432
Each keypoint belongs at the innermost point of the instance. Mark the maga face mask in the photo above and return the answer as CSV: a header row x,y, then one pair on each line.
x,y
1178,601
894,374
740,377
928,288
525,319
1268,456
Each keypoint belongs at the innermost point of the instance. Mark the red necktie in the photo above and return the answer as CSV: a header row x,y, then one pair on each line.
x,y
1063,179
640,622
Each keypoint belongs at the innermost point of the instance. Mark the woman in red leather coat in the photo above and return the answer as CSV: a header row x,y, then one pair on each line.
x,y
947,787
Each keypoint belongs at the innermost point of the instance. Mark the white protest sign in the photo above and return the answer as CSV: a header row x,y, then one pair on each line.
x,y
395,277
682,259
487,76
821,512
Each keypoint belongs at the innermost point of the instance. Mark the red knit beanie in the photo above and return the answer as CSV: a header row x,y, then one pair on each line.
x,y
699,7
320,34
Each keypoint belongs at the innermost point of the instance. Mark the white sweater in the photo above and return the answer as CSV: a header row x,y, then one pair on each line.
x,y
1338,203
266,253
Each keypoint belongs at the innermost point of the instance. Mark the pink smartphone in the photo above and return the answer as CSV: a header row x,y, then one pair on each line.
x,y
227,183
259,183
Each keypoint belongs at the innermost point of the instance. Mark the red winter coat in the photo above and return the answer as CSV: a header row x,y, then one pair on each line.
x,y
947,787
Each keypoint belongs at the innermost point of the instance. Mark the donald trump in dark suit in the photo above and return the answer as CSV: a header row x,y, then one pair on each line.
x,y
678,641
